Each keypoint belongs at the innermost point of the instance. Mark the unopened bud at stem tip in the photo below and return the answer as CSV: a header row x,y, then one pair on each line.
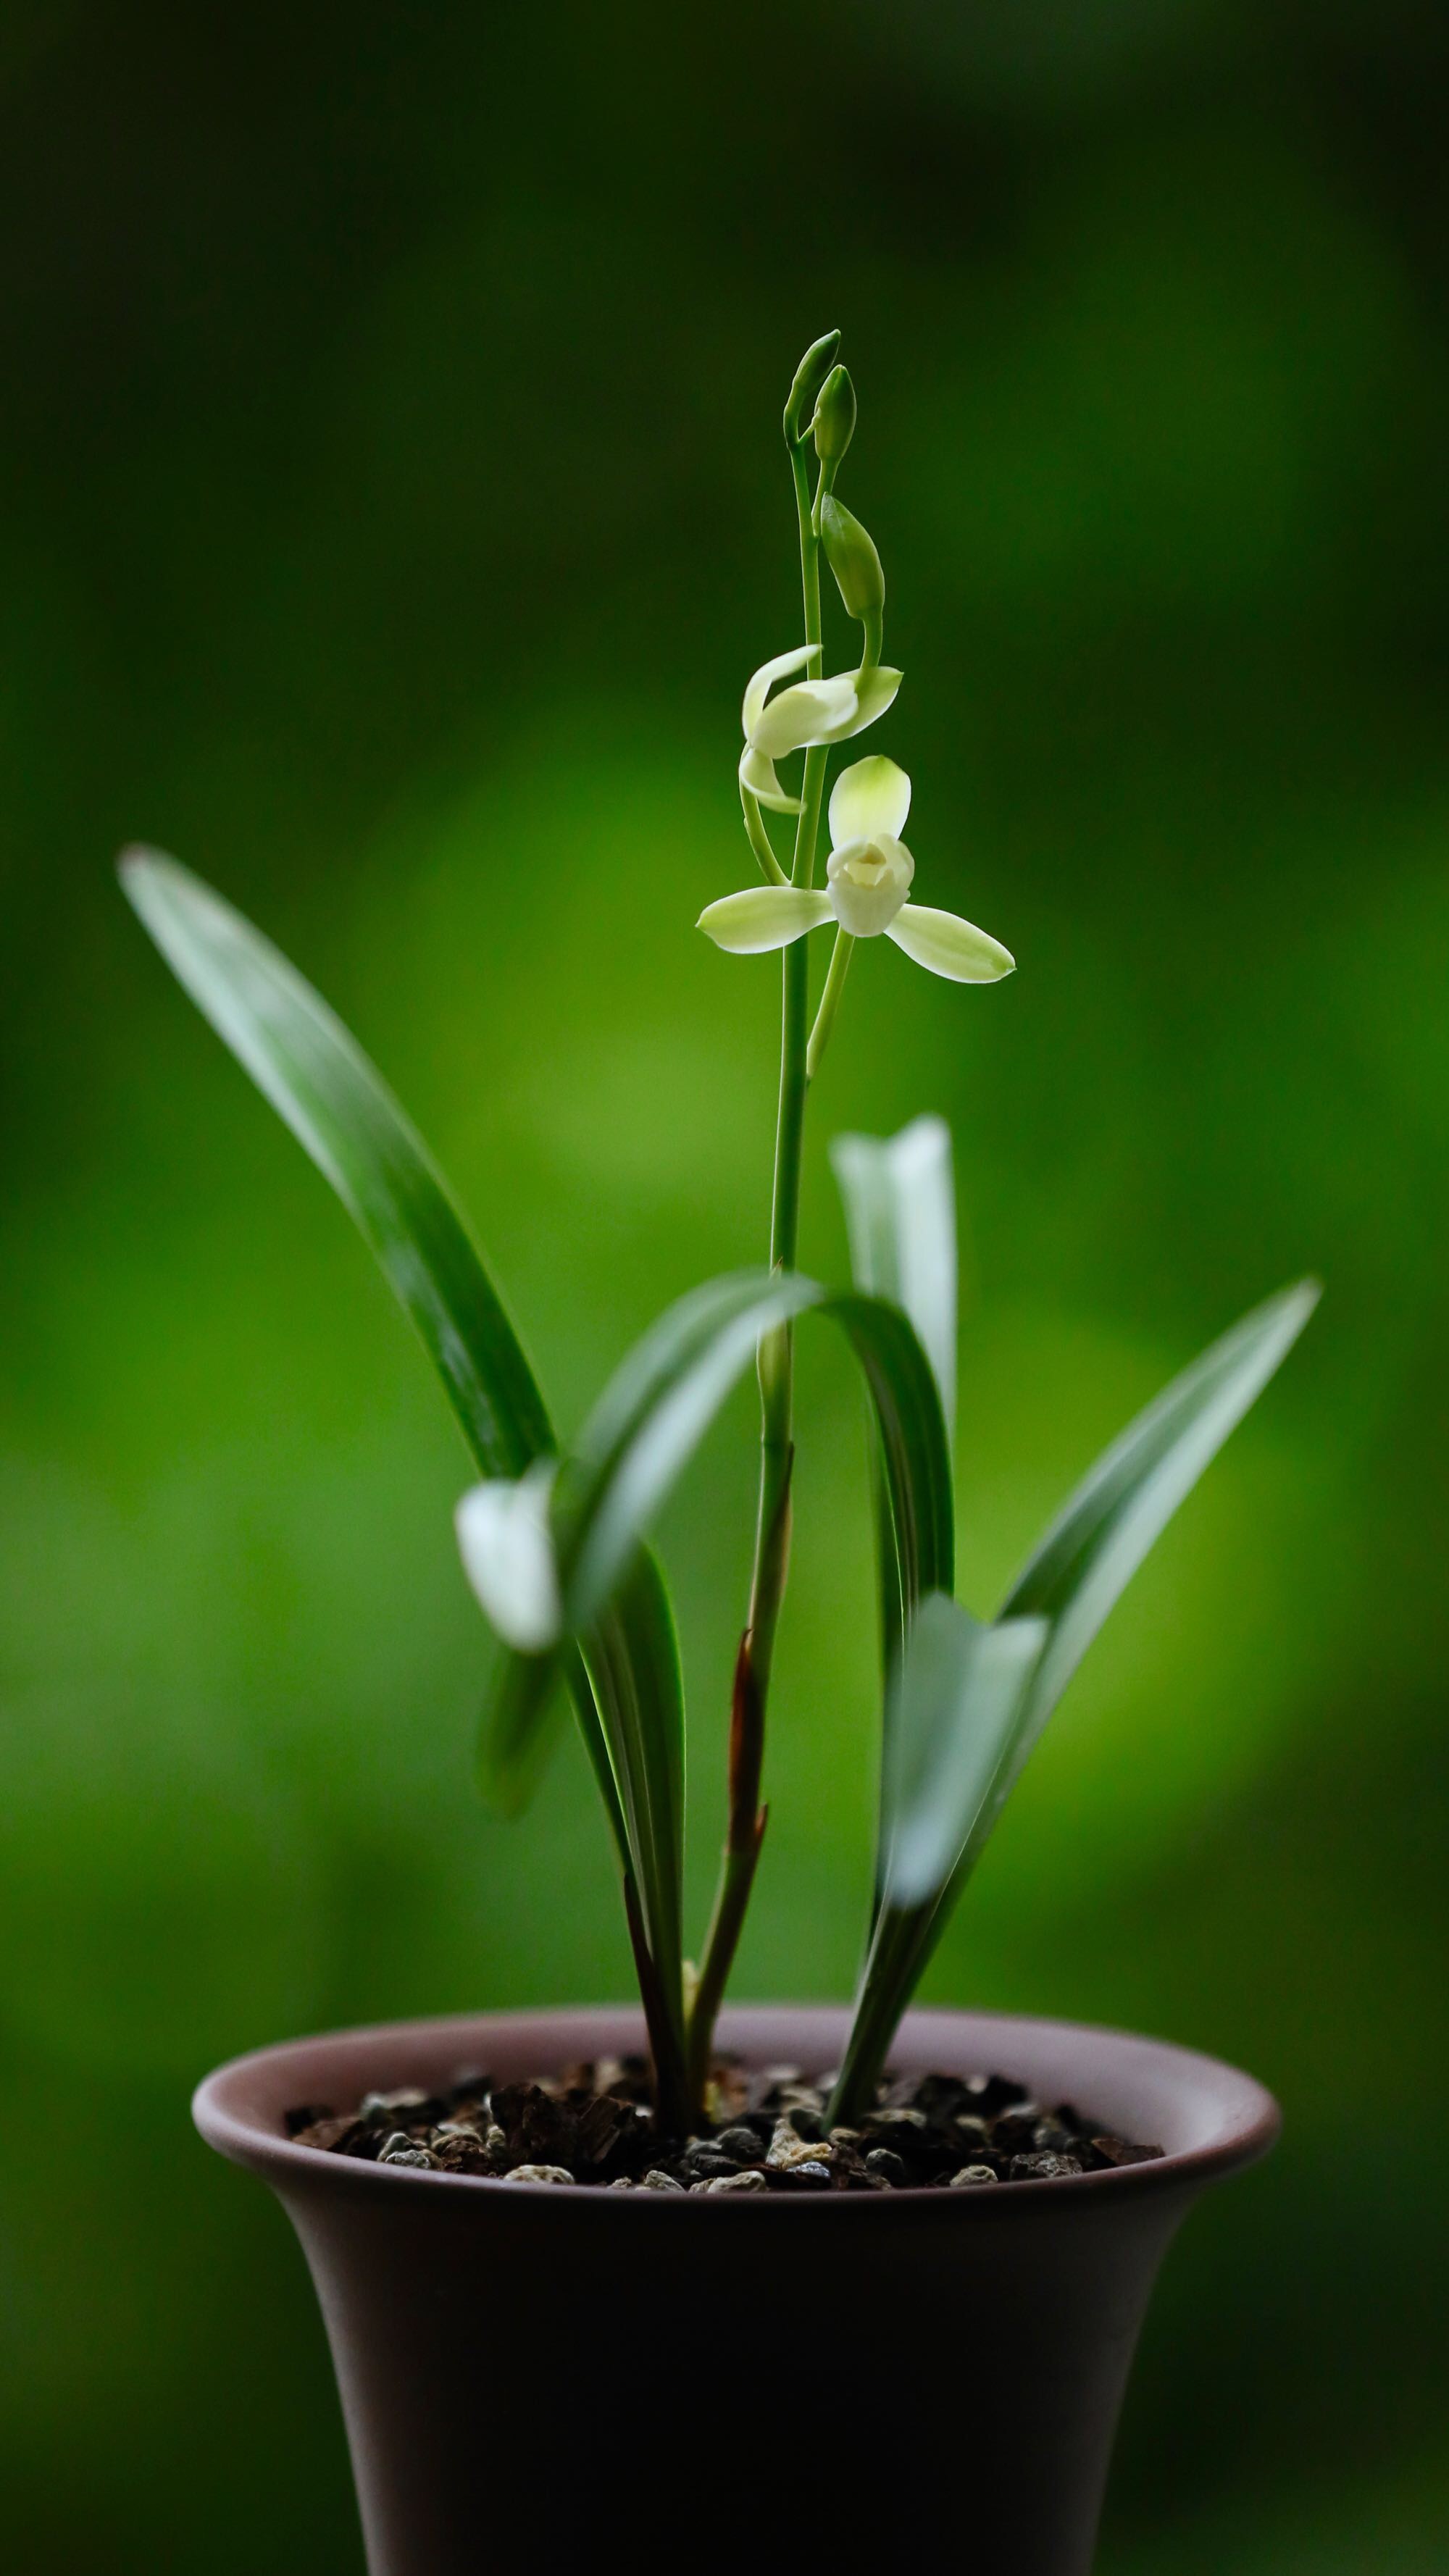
x,y
834,422
814,367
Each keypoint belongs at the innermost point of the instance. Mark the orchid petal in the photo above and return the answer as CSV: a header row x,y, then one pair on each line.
x,y
870,799
760,686
508,1556
757,774
875,691
763,917
946,945
813,711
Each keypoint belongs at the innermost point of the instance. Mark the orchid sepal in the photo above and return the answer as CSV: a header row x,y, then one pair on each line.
x,y
946,945
764,917
758,779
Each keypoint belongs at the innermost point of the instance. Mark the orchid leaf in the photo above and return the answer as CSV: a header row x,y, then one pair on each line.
x,y
1061,1597
900,1216
651,1418
954,1699
632,1655
342,1113
1080,1569
624,1677
957,1691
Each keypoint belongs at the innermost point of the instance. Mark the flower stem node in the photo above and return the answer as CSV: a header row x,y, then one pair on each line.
x,y
868,876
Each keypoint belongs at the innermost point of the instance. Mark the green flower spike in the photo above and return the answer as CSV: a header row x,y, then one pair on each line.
x,y
868,877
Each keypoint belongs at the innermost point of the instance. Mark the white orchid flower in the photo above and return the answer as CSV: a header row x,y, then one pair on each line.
x,y
868,877
812,711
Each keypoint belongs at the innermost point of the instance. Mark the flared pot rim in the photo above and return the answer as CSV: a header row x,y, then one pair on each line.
x,y
1210,2118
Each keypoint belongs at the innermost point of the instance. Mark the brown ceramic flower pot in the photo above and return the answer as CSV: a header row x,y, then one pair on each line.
x,y
544,2376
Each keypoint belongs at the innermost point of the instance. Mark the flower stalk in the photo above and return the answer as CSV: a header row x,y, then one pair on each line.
x,y
868,877
770,1570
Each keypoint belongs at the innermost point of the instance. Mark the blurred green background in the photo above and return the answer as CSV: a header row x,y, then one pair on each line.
x,y
391,508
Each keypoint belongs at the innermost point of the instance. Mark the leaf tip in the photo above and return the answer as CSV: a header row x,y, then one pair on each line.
x,y
1294,1305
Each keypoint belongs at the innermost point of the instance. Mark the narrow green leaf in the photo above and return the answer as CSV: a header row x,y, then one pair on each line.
x,y
1095,1545
660,1402
657,1407
1061,1598
624,1671
341,1111
900,1215
625,1681
956,1694
953,1699
650,1419
632,1654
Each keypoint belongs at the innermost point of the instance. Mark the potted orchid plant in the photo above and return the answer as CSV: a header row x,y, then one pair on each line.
x,y
1034,2169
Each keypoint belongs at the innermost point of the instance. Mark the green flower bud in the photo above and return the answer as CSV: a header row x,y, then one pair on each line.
x,y
851,555
834,422
811,373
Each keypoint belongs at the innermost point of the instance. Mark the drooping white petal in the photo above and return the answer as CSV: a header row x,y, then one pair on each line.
x,y
764,679
813,711
758,774
508,1556
869,881
875,691
871,797
947,945
763,917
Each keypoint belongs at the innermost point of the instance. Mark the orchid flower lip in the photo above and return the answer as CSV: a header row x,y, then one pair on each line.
x,y
869,881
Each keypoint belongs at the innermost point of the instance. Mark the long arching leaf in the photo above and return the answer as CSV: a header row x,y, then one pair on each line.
x,y
957,1692
339,1108
623,1675
900,1214
631,1652
651,1417
1081,1568
955,1695
900,1217
1061,1597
